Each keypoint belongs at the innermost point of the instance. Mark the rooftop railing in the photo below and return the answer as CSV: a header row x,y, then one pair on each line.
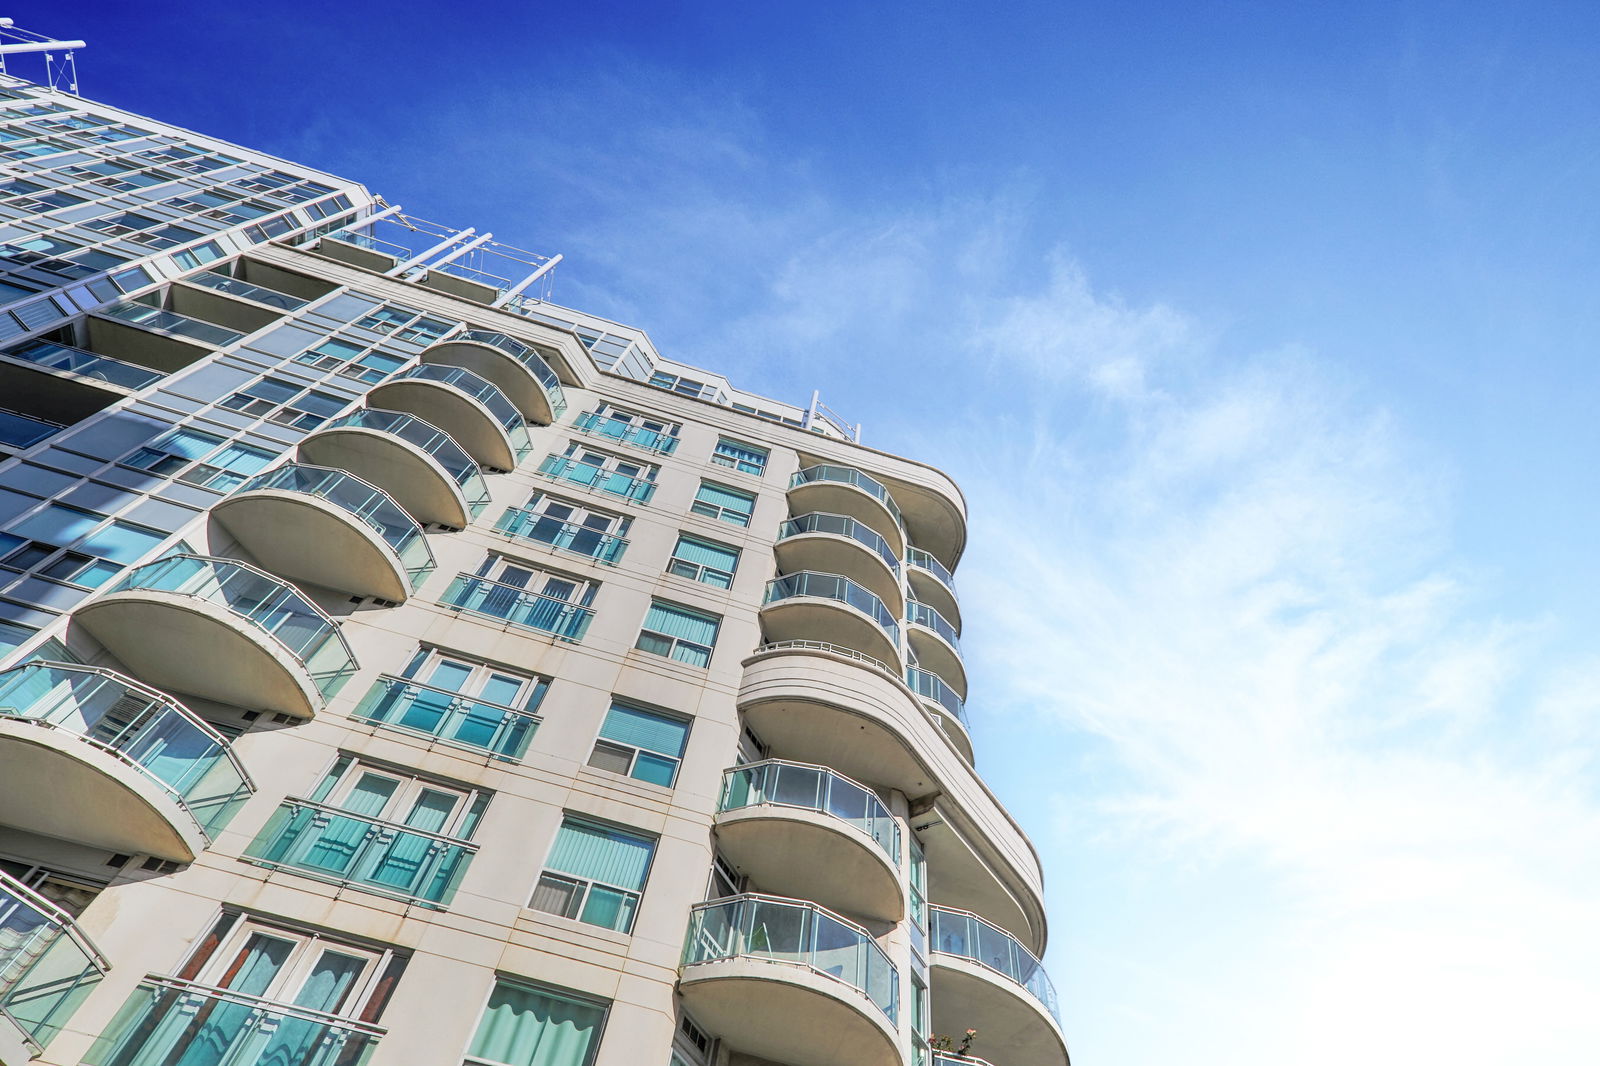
x,y
461,721
833,587
846,475
171,323
147,729
624,432
367,503
567,536
798,934
370,854
47,966
428,437
169,1021
86,364
276,608
842,526
780,783
965,935
518,606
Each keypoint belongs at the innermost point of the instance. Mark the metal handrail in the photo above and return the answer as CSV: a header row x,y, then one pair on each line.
x,y
849,475
921,614
844,526
58,916
924,560
403,539
875,807
1048,1000
788,586
271,1006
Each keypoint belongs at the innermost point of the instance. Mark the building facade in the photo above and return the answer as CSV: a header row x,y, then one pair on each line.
x,y
399,668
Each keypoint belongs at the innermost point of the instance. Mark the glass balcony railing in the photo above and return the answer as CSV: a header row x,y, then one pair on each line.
x,y
846,475
171,323
965,935
803,934
146,729
384,858
502,409
833,587
921,560
518,606
272,606
399,703
932,687
567,536
436,442
23,431
86,364
843,526
529,357
235,287
624,432
167,1022
47,967
595,477
780,783
948,1058
367,503
923,615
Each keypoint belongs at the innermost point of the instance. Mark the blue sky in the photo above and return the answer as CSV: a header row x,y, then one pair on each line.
x,y
1262,338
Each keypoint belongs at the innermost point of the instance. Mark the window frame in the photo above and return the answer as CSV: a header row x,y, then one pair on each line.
x,y
717,511
580,902
634,751
677,642
700,570
738,462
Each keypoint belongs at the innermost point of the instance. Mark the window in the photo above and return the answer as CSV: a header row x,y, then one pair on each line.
x,y
602,471
460,702
725,504
595,874
405,324
569,526
679,633
628,427
285,402
224,469
35,543
704,561
644,745
352,359
745,458
724,880
393,795
525,1025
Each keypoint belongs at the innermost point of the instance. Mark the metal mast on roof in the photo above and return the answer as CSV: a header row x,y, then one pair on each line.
x,y
60,74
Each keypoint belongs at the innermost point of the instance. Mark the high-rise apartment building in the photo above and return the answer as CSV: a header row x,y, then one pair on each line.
x,y
399,668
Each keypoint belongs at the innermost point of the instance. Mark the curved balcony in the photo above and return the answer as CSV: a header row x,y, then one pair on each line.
x,y
936,645
222,630
847,491
328,527
934,513
835,707
450,718
839,544
94,757
789,981
815,606
624,432
47,968
475,413
933,584
167,1021
815,834
515,368
947,708
981,978
417,464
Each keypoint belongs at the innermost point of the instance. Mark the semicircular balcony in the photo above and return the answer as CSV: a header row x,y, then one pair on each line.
x,y
417,464
222,630
839,544
948,709
476,414
328,527
981,977
517,369
933,584
790,982
47,968
814,834
829,607
845,490
94,757
832,706
934,513
936,645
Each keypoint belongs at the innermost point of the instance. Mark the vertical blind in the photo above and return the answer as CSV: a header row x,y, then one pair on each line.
x,y
600,853
706,553
732,499
682,623
645,729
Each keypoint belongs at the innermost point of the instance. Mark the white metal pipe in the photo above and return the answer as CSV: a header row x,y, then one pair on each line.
x,y
517,289
374,217
441,246
41,46
476,242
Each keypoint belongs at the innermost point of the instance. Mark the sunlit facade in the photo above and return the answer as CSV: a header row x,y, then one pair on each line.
x,y
397,667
